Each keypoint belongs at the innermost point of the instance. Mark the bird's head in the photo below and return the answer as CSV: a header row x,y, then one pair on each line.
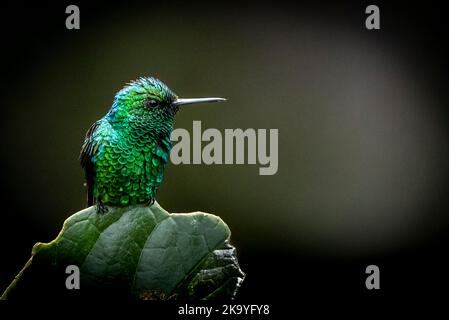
x,y
150,102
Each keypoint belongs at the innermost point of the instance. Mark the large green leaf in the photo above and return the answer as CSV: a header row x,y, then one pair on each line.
x,y
136,252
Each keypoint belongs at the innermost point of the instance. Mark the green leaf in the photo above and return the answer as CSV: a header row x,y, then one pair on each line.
x,y
136,252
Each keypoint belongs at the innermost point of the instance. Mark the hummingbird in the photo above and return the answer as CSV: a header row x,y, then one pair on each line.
x,y
124,154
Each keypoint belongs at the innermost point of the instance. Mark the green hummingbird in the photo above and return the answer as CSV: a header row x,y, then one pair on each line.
x,y
124,154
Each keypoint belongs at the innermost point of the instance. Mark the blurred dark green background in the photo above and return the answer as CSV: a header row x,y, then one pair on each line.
x,y
361,115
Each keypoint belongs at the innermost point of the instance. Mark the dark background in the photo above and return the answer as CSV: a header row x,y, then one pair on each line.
x,y
362,119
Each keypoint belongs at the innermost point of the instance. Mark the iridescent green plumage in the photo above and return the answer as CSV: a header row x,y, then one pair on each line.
x,y
125,153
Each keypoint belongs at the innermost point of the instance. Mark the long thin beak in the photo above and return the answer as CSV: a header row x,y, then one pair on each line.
x,y
183,102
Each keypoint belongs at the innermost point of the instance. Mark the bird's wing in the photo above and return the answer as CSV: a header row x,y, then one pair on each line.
x,y
88,150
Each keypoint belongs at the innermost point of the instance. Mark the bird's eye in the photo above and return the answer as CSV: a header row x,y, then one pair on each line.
x,y
152,103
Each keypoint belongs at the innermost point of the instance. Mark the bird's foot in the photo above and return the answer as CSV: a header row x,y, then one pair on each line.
x,y
151,202
101,208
